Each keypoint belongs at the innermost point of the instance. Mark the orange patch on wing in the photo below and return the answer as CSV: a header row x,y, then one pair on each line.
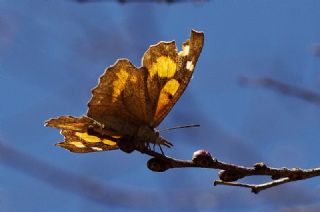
x,y
166,94
119,84
164,67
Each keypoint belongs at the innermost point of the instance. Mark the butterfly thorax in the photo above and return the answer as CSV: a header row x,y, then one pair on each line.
x,y
148,135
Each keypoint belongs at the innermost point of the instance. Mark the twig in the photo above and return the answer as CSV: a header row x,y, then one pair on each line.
x,y
230,173
255,188
302,93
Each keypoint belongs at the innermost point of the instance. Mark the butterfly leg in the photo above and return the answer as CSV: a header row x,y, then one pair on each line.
x,y
161,150
148,145
154,147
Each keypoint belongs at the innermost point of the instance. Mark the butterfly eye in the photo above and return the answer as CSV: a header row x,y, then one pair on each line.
x,y
157,133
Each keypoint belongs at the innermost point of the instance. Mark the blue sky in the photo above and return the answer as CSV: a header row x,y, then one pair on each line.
x,y
52,53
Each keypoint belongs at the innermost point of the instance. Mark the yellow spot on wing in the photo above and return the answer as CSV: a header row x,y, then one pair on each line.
x,y
108,142
167,93
164,67
94,139
119,84
88,138
170,87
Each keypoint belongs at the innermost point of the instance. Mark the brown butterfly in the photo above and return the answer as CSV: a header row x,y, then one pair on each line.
x,y
130,102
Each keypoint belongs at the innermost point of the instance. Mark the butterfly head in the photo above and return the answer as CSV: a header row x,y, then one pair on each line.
x,y
145,136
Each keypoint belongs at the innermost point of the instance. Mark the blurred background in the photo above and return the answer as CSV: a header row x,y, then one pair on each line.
x,y
52,53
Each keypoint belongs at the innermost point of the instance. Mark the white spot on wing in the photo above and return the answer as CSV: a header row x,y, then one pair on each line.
x,y
96,148
78,144
189,66
185,51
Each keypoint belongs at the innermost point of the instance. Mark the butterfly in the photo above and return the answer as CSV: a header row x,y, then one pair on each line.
x,y
130,102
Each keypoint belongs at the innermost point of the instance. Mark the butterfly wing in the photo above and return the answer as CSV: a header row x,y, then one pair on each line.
x,y
77,138
128,97
169,73
79,142
120,101
80,124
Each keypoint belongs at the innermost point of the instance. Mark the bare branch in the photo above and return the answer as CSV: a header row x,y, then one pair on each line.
x,y
230,173
302,93
255,188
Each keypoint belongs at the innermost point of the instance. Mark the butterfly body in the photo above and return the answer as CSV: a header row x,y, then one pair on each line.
x,y
142,139
129,102
143,136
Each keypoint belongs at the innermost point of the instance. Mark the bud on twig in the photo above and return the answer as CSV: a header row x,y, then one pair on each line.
x,y
157,165
202,158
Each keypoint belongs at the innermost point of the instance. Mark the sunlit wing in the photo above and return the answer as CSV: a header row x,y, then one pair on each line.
x,y
127,97
120,100
77,138
79,124
169,73
83,142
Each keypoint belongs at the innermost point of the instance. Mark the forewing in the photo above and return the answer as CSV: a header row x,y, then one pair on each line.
x,y
119,101
169,73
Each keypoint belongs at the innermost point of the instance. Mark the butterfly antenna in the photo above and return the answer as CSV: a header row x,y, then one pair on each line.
x,y
180,127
